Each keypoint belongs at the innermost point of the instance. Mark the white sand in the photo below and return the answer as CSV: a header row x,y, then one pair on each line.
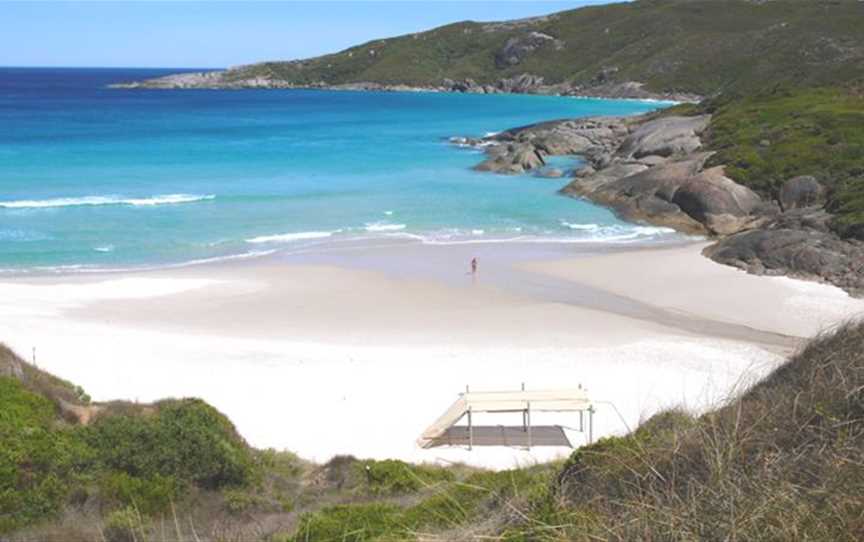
x,y
325,360
680,280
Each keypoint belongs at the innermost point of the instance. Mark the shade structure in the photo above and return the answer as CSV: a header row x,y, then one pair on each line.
x,y
443,431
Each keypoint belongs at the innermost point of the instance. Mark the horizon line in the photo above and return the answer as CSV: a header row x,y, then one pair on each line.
x,y
201,68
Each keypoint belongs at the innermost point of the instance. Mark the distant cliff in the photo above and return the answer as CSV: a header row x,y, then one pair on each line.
x,y
650,48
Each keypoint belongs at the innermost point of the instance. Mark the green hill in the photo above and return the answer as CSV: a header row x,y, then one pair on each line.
x,y
672,46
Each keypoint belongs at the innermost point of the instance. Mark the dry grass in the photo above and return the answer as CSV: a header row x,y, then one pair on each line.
x,y
785,461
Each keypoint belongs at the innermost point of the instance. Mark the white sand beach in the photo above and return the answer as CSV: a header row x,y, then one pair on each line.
x,y
356,351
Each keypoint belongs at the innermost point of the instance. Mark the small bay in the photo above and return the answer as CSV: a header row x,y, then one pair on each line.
x,y
93,177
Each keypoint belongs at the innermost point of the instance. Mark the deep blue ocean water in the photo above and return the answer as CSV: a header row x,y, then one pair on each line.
x,y
92,177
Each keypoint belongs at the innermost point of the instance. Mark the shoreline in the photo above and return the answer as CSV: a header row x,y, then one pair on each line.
x,y
656,99
267,340
337,241
204,81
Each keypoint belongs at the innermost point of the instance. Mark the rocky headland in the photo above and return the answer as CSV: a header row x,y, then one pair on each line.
x,y
526,83
654,169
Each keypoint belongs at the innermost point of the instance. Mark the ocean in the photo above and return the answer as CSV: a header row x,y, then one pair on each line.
x,y
97,178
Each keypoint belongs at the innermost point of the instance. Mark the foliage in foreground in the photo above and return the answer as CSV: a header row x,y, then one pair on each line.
x,y
781,462
126,456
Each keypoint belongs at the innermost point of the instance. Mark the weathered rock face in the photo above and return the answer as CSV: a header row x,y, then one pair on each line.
x,y
679,193
178,81
654,171
589,136
665,137
796,244
800,192
517,48
465,85
640,193
512,158
551,173
524,83
716,201
645,171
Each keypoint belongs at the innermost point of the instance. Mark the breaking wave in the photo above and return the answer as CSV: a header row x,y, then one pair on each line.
x,y
167,199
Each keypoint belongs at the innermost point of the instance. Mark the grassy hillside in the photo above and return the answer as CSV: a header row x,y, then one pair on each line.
x,y
698,46
772,135
782,462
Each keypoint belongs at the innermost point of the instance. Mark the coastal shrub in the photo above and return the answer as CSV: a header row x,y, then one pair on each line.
x,y
391,476
352,523
188,440
283,463
769,137
238,501
124,525
37,460
781,462
450,505
480,496
146,495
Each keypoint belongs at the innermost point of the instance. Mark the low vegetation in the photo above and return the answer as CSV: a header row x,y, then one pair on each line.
x,y
128,457
785,461
769,137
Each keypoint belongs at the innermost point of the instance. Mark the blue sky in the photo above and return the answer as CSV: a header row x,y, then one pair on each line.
x,y
219,34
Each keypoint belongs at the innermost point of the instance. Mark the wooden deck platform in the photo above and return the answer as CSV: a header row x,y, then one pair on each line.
x,y
500,435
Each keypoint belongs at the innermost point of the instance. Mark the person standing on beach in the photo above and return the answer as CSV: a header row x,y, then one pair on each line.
x,y
474,266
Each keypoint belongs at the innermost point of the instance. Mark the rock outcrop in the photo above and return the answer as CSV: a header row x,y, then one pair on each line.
x,y
512,158
646,170
590,136
518,47
665,137
680,194
653,169
799,244
800,192
525,83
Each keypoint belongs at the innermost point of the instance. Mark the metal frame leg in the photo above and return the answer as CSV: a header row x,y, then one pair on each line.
x,y
470,431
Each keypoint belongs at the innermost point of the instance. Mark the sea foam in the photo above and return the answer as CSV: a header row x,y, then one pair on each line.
x,y
166,199
288,237
383,226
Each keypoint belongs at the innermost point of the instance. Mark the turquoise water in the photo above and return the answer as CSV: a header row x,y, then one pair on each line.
x,y
92,177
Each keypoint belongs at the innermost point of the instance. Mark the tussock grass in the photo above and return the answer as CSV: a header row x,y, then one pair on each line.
x,y
782,462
